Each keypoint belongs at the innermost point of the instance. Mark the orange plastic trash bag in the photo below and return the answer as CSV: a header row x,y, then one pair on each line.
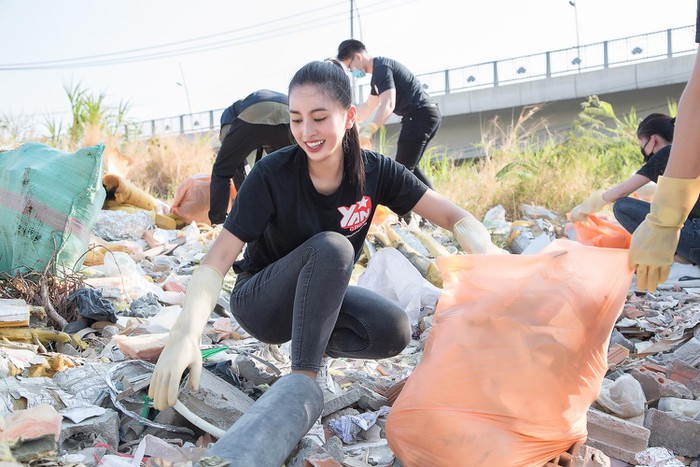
x,y
598,232
516,355
381,214
192,199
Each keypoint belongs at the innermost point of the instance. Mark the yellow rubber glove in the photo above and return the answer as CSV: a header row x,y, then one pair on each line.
x,y
182,349
590,205
655,240
474,238
366,135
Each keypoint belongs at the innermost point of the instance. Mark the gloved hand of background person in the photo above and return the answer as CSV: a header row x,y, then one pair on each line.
x,y
474,238
366,135
182,349
654,242
590,205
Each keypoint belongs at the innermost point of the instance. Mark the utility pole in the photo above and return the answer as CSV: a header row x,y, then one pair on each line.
x,y
352,19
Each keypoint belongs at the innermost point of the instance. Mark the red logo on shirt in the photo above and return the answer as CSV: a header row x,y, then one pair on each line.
x,y
356,215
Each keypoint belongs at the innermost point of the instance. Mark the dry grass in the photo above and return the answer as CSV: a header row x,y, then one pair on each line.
x,y
159,165
525,164
478,187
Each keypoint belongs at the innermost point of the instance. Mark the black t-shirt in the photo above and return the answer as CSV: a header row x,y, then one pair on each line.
x,y
390,74
278,208
655,167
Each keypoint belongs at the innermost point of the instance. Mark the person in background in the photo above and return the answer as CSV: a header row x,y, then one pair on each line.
x,y
393,89
655,134
657,238
259,122
303,213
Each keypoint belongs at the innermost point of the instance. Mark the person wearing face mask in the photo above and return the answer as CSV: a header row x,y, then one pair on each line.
x,y
658,237
655,135
394,89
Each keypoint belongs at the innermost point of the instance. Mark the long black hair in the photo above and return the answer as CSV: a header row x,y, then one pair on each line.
x,y
657,124
330,76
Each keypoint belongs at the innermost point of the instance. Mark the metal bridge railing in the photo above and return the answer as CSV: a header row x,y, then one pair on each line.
x,y
590,57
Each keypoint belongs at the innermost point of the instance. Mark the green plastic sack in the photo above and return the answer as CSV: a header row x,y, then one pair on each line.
x,y
49,200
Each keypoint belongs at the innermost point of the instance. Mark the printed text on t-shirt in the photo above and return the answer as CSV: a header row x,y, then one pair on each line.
x,y
356,215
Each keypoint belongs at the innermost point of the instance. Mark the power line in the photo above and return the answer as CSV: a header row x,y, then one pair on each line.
x,y
87,61
160,46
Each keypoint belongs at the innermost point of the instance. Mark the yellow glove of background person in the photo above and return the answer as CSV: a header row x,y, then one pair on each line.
x,y
366,135
655,240
182,349
590,205
474,238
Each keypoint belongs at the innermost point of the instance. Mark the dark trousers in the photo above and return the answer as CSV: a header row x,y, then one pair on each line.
x,y
304,297
242,139
630,212
417,129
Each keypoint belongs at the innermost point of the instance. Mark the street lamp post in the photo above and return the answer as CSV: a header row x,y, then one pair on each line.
x,y
577,60
183,85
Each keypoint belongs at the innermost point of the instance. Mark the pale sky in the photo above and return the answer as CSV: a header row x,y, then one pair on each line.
x,y
147,47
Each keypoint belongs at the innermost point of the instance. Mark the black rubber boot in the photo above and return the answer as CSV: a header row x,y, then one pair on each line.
x,y
266,434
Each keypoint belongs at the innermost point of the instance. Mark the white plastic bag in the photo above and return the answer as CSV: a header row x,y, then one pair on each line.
x,y
623,397
392,276
495,221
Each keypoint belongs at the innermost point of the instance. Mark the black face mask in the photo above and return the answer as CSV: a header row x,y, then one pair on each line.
x,y
644,154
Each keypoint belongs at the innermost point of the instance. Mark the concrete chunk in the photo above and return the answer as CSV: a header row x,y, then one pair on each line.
x,y
216,401
340,401
371,400
102,429
673,431
310,454
689,352
616,437
589,456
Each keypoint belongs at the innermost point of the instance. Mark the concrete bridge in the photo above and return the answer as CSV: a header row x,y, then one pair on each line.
x,y
646,80
643,72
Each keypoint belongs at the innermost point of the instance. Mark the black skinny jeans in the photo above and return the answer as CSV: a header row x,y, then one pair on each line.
x,y
305,297
242,139
417,129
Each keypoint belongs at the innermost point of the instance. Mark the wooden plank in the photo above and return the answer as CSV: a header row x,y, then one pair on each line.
x,y
13,313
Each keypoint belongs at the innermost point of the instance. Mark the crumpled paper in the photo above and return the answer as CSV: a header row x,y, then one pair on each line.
x,y
348,427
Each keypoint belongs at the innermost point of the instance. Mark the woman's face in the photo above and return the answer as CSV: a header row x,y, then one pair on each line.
x,y
318,123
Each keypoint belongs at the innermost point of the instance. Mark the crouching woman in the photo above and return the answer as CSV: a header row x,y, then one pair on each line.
x,y
303,213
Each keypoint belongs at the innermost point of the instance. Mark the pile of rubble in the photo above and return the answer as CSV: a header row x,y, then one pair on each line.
x,y
79,396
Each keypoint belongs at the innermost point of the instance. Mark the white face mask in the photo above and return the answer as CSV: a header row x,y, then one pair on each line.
x,y
356,72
